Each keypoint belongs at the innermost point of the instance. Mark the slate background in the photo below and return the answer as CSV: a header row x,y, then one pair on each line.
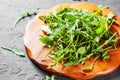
x,y
13,67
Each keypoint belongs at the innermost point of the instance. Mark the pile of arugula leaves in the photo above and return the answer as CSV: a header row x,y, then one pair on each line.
x,y
76,35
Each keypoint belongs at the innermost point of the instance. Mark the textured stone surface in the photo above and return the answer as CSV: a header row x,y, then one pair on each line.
x,y
13,67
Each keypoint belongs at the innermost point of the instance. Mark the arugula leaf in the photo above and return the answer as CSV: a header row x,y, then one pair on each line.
x,y
111,15
90,67
82,50
71,63
26,14
100,29
50,77
46,40
14,50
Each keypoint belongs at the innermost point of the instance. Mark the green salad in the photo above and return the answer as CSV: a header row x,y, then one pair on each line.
x,y
74,36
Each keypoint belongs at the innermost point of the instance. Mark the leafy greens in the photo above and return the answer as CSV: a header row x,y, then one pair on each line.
x,y
52,77
14,50
77,35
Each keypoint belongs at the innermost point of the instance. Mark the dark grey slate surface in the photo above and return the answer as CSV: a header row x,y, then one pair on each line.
x,y
13,67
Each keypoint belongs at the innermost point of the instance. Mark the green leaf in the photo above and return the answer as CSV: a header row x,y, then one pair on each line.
x,y
82,50
100,29
90,67
111,15
105,56
46,40
26,14
115,39
50,77
70,63
97,39
69,17
15,50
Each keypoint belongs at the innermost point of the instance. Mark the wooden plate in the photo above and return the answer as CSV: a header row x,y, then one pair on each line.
x,y
37,51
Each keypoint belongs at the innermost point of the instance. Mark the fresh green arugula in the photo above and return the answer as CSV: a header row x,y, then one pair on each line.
x,y
50,77
27,14
77,35
14,50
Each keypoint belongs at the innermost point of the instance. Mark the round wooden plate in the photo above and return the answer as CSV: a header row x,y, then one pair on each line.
x,y
37,51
